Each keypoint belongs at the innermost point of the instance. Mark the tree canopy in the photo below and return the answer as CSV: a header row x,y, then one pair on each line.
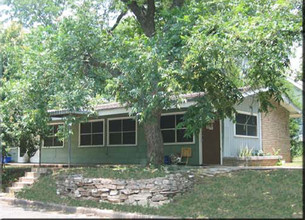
x,y
146,53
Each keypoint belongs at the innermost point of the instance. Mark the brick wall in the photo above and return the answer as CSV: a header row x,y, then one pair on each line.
x,y
275,131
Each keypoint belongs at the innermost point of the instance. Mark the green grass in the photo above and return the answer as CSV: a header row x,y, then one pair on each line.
x,y
117,172
242,194
12,174
296,162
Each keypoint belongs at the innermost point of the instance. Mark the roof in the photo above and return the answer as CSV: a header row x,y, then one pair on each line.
x,y
65,112
112,108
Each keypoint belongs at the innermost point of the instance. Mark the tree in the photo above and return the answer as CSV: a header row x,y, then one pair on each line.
x,y
165,48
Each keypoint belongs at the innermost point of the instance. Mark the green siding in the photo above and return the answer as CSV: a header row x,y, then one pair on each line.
x,y
111,154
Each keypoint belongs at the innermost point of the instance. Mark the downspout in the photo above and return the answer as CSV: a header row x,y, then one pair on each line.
x,y
69,144
221,141
40,147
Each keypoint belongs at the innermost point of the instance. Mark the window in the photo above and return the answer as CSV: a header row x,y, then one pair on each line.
x,y
246,125
170,133
122,132
52,140
92,133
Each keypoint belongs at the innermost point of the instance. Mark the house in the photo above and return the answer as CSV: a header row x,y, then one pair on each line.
x,y
115,138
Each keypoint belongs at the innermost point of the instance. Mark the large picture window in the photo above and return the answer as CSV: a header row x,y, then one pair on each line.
x,y
92,133
52,140
122,132
246,125
170,132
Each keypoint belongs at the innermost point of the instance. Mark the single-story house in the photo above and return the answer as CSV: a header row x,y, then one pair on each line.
x,y
115,138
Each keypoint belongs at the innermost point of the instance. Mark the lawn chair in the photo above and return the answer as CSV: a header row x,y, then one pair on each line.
x,y
186,152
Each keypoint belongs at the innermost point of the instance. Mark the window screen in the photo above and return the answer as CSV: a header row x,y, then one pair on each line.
x,y
170,132
246,125
122,132
92,133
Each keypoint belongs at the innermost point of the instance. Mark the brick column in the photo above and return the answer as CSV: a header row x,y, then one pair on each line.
x,y
275,131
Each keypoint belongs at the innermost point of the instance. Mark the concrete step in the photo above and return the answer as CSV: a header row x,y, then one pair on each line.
x,y
27,179
12,190
32,174
22,184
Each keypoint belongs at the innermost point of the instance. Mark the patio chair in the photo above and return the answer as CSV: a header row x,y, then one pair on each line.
x,y
186,152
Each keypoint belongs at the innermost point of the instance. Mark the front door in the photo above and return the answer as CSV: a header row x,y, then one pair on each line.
x,y
211,144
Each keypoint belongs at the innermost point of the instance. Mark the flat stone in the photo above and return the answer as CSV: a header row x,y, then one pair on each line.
x,y
158,198
165,182
114,199
103,190
84,193
126,191
142,196
110,186
104,195
113,192
89,187
132,186
120,186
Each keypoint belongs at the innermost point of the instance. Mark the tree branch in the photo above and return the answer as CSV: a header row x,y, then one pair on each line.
x,y
123,13
146,17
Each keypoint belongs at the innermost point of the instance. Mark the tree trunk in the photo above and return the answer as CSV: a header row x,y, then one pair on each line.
x,y
154,140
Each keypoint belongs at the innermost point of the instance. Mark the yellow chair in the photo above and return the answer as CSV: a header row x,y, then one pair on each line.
x,y
186,152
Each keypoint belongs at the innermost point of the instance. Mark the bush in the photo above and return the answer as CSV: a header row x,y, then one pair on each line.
x,y
296,145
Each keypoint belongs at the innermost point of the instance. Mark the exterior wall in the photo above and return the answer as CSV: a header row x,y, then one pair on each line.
x,y
111,154
14,154
231,143
275,130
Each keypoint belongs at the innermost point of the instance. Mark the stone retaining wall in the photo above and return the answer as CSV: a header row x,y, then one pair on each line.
x,y
146,192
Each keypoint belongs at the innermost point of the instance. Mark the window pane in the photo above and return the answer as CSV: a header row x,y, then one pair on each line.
x,y
179,118
129,125
97,139
115,138
51,130
48,141
181,138
57,142
55,129
168,121
85,139
168,136
129,138
252,130
115,125
240,129
97,127
241,118
85,128
251,120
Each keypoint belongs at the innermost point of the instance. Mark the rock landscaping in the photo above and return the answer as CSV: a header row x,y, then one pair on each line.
x,y
146,192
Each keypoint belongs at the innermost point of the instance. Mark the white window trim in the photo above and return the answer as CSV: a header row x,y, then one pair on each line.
x,y
88,146
257,125
122,145
54,147
176,143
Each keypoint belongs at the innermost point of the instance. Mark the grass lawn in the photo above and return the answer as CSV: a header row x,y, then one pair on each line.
x,y
296,162
116,172
241,194
12,174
